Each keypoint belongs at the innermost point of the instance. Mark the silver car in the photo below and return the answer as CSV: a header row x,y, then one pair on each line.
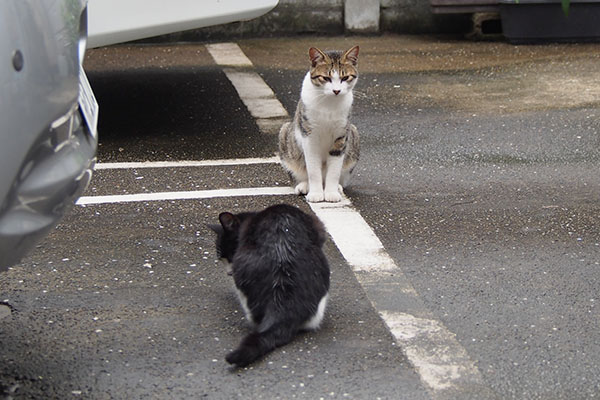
x,y
48,118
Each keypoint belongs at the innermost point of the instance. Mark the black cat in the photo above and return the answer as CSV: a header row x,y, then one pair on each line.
x,y
280,273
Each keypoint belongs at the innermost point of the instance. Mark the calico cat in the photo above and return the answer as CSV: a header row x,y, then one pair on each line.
x,y
280,273
320,147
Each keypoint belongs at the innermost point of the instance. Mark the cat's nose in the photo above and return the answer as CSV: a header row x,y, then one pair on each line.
x,y
336,92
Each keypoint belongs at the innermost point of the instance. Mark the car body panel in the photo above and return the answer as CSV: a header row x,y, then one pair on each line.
x,y
46,149
115,21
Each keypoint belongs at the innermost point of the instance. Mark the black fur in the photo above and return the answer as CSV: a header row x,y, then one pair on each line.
x,y
279,265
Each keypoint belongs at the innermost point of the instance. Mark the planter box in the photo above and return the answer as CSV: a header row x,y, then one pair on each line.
x,y
543,20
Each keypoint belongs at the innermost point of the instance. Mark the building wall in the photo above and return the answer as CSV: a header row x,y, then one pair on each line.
x,y
292,17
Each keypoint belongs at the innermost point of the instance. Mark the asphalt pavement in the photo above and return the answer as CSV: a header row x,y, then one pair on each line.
x,y
478,174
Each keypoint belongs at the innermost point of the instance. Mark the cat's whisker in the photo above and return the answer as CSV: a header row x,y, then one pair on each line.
x,y
360,94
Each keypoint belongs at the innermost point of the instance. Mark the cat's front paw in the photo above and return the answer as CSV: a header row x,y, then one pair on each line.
x,y
333,197
301,188
315,197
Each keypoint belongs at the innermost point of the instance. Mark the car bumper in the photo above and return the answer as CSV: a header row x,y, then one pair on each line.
x,y
55,172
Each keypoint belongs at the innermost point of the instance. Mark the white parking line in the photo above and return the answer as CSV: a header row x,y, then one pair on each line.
x,y
354,238
228,54
258,97
443,364
184,163
185,195
426,342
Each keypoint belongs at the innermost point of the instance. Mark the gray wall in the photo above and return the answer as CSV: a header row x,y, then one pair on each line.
x,y
292,17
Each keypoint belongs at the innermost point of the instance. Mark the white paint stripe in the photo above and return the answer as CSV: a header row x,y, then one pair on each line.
x,y
252,89
228,54
433,350
357,242
256,94
197,194
184,163
249,84
441,361
265,108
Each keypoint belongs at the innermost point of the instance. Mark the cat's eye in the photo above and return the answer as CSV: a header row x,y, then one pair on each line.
x,y
347,77
326,78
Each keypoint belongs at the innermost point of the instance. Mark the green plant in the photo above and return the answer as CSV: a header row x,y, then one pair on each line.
x,y
565,6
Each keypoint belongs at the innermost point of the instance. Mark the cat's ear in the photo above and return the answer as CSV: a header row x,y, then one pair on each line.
x,y
351,55
229,222
316,56
218,229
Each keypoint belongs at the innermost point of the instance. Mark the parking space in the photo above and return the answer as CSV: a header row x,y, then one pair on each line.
x,y
128,178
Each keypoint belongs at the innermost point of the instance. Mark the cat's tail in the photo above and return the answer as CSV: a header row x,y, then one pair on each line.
x,y
258,343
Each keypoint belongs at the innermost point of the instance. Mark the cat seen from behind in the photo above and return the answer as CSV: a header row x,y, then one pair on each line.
x,y
320,147
280,273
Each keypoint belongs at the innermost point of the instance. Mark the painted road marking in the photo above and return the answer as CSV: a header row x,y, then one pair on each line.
x,y
354,238
185,195
176,164
228,54
249,84
417,336
442,363
256,95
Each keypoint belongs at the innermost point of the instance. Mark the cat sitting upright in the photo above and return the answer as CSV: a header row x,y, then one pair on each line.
x,y
320,147
280,273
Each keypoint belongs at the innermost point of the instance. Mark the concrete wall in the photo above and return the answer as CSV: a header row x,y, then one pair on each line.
x,y
415,16
292,17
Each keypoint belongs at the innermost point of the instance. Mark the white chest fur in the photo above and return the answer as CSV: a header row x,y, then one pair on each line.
x,y
328,114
